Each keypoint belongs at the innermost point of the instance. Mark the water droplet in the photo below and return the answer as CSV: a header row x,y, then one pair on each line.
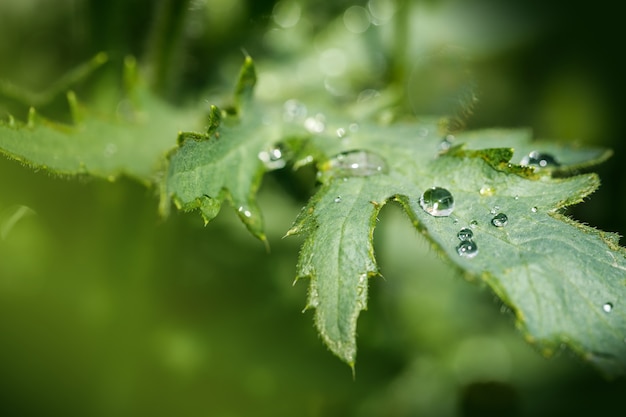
x,y
341,132
494,210
437,202
465,234
500,220
607,307
473,224
487,191
516,197
467,249
533,209
354,163
293,110
540,160
354,127
446,143
273,158
337,199
245,212
315,124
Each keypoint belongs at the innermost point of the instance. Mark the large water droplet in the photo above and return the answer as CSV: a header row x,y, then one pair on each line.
x,y
355,163
467,249
273,158
540,160
500,220
465,234
437,202
607,307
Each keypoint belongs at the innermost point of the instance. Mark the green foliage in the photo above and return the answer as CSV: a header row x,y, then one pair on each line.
x,y
564,281
561,278
131,141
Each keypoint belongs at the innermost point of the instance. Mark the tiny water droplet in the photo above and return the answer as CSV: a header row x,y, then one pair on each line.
x,y
446,143
494,210
467,249
487,190
244,211
607,307
500,220
315,124
473,224
354,127
455,221
540,160
533,209
341,132
465,234
356,163
516,197
294,111
337,199
273,158
437,202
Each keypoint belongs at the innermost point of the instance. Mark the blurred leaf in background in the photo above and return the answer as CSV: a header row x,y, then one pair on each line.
x,y
106,309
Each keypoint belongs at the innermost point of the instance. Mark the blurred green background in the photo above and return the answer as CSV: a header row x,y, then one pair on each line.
x,y
107,309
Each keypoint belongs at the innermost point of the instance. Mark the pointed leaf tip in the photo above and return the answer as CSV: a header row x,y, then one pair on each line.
x,y
246,82
215,119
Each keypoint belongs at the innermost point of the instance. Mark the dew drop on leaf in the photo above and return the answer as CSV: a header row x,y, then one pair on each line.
x,y
437,202
486,191
533,209
607,307
337,199
540,160
465,234
494,210
355,163
245,212
273,158
341,132
473,224
500,220
467,249
446,143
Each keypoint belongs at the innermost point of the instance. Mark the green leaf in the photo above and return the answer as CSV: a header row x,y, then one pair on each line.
x,y
132,141
225,162
565,281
